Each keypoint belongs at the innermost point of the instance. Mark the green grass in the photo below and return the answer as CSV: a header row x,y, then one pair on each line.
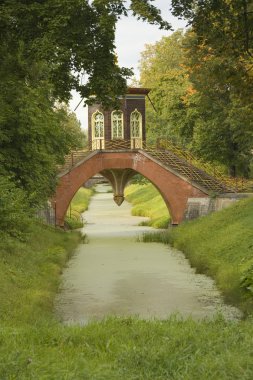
x,y
29,273
79,204
220,245
155,237
129,349
147,201
34,345
80,201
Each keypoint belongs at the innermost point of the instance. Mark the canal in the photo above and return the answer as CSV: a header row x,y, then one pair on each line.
x,y
116,275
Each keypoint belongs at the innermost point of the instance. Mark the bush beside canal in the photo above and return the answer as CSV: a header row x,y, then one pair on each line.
x,y
147,201
220,245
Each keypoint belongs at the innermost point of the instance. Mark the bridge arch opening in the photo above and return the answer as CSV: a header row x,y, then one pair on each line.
x,y
150,197
119,180
174,189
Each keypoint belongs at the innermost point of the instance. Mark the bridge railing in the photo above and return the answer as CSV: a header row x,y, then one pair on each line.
x,y
47,214
237,184
117,144
72,159
161,149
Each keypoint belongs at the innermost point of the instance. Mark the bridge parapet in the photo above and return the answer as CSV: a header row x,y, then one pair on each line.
x,y
176,180
72,159
173,157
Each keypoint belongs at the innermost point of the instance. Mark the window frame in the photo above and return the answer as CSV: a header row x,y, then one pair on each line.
x,y
93,122
117,120
140,125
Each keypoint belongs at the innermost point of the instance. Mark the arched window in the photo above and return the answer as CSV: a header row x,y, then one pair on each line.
x,y
98,125
136,129
98,133
136,124
117,125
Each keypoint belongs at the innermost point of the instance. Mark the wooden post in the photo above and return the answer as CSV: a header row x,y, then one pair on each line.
x,y
55,221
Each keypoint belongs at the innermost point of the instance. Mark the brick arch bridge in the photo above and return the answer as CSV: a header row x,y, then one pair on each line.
x,y
176,179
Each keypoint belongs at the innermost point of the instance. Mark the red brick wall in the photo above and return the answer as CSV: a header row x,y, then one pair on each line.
x,y
127,106
174,190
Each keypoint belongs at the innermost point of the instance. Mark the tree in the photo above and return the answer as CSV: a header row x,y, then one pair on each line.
x,y
203,99
162,69
45,47
226,21
14,209
73,37
223,131
35,136
220,60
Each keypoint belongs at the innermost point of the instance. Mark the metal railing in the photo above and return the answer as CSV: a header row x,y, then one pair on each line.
x,y
172,156
117,144
234,184
47,214
74,214
72,159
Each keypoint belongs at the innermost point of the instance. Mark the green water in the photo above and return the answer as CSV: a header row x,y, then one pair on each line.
x,y
116,275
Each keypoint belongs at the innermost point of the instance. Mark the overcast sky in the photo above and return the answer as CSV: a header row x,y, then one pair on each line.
x,y
131,37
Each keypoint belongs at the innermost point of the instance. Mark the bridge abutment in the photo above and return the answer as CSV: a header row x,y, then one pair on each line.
x,y
197,207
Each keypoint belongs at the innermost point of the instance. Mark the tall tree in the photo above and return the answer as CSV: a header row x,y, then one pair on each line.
x,y
163,70
203,99
45,48
226,21
35,134
223,131
73,37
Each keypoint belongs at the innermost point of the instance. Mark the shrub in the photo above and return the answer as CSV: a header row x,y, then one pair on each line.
x,y
72,223
15,214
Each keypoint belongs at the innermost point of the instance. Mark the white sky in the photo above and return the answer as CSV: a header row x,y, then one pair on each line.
x,y
131,37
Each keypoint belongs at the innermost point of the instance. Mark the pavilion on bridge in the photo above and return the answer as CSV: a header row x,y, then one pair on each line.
x,y
123,127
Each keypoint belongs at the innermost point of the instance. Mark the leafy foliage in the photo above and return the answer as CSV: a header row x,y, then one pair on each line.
x,y
203,98
247,278
14,210
223,130
73,38
46,48
35,136
162,69
223,249
228,22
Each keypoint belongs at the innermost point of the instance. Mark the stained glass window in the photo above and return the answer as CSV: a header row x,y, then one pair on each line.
x,y
117,125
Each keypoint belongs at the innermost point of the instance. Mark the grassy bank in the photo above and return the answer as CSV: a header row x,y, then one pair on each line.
x,y
34,345
220,245
129,349
30,271
147,201
79,204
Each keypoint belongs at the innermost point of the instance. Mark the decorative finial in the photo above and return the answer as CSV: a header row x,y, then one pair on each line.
x,y
118,199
